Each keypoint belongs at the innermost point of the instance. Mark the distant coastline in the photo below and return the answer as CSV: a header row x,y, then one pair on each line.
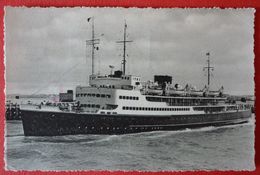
x,y
31,96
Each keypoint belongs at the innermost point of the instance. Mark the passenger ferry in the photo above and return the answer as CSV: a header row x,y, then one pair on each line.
x,y
119,104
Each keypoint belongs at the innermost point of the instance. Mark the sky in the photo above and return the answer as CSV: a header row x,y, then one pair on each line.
x,y
45,49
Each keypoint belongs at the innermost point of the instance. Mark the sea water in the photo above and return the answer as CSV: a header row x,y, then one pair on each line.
x,y
209,148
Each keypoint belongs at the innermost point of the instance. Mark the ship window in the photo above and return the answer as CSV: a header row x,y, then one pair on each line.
x,y
137,83
85,95
149,109
127,97
120,97
102,112
146,109
93,95
113,86
97,106
103,95
92,105
128,78
127,108
130,98
123,107
108,96
137,98
98,95
143,108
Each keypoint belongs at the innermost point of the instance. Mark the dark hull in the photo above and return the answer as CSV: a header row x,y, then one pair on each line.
x,y
40,123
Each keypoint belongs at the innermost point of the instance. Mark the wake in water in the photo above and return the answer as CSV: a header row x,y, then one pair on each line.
x,y
91,139
223,147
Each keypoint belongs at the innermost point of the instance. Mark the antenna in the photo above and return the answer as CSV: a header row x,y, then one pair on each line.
x,y
124,48
93,42
208,68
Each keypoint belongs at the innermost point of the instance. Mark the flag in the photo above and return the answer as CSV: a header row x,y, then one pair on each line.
x,y
89,19
207,53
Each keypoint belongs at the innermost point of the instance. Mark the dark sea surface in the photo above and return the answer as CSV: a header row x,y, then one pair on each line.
x,y
210,148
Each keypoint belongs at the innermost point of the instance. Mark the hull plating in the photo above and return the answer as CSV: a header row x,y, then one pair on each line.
x,y
37,123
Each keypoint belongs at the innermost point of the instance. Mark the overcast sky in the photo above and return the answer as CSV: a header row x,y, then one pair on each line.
x,y
45,49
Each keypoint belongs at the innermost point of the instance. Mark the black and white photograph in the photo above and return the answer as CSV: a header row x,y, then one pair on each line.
x,y
131,89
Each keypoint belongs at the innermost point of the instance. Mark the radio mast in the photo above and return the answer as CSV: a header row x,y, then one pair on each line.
x,y
93,42
208,68
124,48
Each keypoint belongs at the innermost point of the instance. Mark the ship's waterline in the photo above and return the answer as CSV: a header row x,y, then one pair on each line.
x,y
208,148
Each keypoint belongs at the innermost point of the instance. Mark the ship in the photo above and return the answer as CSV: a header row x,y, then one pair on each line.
x,y
121,103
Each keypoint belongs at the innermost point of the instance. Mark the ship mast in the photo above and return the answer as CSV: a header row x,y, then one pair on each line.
x,y
93,42
208,68
124,48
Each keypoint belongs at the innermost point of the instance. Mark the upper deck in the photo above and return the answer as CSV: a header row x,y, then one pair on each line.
x,y
115,81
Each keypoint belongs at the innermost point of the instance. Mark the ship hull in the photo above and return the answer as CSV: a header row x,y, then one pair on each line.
x,y
42,123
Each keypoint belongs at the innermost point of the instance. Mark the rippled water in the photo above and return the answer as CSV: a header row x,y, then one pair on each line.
x,y
210,148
